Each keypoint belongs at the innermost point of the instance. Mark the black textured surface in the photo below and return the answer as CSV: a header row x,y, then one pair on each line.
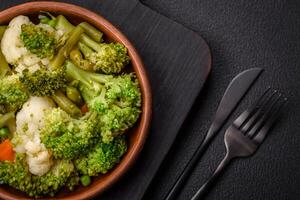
x,y
177,61
241,35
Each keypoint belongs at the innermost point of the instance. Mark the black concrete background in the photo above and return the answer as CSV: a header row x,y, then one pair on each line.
x,y
241,35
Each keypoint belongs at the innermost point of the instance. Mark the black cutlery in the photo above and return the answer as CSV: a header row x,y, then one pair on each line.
x,y
232,96
247,132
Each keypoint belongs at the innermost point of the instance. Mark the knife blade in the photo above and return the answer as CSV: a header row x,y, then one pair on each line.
x,y
234,93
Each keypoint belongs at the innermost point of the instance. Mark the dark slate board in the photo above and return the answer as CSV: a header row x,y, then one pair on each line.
x,y
177,61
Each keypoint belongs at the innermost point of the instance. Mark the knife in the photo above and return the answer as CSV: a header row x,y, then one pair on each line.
x,y
235,91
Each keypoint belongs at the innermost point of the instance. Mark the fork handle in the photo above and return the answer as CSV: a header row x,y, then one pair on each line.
x,y
202,191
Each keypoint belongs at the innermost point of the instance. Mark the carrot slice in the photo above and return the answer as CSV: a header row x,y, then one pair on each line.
x,y
84,109
6,151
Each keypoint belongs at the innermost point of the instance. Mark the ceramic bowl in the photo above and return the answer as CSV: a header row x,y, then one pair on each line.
x,y
136,136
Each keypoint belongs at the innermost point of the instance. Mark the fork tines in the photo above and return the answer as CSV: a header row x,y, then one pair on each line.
x,y
261,115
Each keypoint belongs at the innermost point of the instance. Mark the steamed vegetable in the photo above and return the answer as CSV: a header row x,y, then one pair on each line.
x,y
107,58
6,151
116,99
63,52
26,138
91,31
12,93
38,40
102,157
77,58
62,123
66,137
4,133
66,104
44,82
17,175
14,50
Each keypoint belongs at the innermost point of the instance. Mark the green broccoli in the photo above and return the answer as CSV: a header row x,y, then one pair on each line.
x,y
38,40
66,137
102,157
12,93
44,82
107,58
117,100
17,175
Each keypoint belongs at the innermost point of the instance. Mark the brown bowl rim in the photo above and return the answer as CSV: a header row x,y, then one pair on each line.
x,y
108,29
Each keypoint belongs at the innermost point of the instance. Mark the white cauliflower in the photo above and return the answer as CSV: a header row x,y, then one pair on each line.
x,y
29,121
14,50
11,44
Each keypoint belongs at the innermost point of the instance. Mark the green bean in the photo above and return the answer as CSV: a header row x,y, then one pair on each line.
x,y
63,24
64,51
4,119
73,94
91,31
4,67
66,104
78,60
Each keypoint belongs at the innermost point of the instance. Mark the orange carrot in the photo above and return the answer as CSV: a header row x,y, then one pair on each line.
x,y
84,109
6,151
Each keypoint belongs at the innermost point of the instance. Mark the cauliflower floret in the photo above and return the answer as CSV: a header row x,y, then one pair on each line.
x,y
14,50
11,44
40,162
29,121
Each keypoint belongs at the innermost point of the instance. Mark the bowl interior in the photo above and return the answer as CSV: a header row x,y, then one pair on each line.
x,y
136,136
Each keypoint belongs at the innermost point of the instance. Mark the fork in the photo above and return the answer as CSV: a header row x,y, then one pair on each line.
x,y
247,132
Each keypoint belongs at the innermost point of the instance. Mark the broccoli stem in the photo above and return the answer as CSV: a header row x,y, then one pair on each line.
x,y
66,104
4,67
64,52
91,31
85,49
83,76
91,43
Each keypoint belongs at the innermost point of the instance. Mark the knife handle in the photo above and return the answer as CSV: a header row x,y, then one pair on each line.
x,y
190,166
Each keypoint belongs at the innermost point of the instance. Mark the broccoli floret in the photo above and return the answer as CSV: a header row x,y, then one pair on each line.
x,y
117,100
12,93
107,58
102,157
44,82
38,40
17,175
66,137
